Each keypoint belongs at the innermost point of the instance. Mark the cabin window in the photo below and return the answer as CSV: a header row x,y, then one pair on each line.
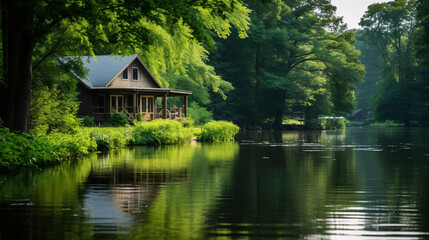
x,y
135,74
144,105
150,104
125,74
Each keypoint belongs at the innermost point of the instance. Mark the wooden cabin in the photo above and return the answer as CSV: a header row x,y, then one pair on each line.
x,y
124,84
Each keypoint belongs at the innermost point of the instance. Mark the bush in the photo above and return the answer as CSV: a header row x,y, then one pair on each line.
x,y
24,150
219,131
108,138
159,131
19,150
88,121
199,114
53,110
186,122
336,123
139,117
118,119
74,144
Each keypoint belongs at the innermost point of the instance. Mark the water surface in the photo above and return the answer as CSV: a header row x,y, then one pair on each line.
x,y
362,183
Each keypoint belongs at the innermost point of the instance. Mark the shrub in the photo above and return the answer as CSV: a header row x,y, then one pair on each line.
x,y
199,114
25,150
159,131
74,144
118,119
186,122
53,110
88,121
219,131
336,123
139,117
108,138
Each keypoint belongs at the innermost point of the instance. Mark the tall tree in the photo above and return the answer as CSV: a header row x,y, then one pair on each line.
x,y
295,50
29,23
423,37
391,28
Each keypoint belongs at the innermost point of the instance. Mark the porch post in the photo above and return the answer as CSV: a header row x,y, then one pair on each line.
x,y
109,105
164,105
186,106
135,105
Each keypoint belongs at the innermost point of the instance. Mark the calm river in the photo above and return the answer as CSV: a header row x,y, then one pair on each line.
x,y
362,183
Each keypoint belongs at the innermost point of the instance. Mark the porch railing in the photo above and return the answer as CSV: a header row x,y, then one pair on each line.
x,y
101,113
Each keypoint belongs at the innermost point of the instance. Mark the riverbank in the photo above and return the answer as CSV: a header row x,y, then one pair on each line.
x,y
23,150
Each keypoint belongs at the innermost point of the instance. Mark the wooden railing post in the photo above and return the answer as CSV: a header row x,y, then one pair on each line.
x,y
164,106
186,106
135,105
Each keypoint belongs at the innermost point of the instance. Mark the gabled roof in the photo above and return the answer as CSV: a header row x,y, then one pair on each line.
x,y
107,67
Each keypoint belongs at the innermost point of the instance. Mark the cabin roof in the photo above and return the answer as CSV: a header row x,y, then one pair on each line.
x,y
104,68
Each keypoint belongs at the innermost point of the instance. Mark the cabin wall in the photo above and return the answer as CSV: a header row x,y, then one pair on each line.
x,y
144,80
86,100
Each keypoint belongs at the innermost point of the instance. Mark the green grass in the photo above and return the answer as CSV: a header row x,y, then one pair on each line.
x,y
293,122
387,123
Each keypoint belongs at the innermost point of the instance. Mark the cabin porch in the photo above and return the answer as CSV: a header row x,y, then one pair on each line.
x,y
149,105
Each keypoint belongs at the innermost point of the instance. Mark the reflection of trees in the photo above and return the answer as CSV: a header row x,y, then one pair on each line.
x,y
281,191
35,205
180,208
169,188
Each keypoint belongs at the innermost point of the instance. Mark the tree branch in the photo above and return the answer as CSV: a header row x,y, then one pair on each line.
x,y
52,50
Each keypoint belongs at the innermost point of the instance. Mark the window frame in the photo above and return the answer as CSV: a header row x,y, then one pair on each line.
x,y
125,71
137,74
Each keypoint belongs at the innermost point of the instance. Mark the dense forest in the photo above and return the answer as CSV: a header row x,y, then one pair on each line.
x,y
393,44
255,63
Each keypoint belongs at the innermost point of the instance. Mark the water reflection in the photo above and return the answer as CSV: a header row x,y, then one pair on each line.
x,y
354,184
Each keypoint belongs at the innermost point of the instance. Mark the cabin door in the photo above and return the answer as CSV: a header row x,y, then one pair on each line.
x,y
147,106
117,103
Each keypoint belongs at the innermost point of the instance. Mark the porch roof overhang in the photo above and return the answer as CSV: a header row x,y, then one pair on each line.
x,y
153,91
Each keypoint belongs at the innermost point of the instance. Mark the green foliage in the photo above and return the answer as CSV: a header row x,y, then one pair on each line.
x,y
160,131
88,121
19,150
219,131
53,110
199,114
77,144
423,30
118,119
186,122
334,123
108,138
139,117
402,88
308,54
387,123
24,150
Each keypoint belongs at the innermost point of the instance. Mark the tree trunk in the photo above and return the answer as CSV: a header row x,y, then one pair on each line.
x,y
18,45
280,104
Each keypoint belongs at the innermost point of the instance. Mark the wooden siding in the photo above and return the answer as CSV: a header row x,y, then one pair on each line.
x,y
86,100
144,80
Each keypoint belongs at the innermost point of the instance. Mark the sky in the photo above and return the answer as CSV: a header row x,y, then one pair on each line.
x,y
353,10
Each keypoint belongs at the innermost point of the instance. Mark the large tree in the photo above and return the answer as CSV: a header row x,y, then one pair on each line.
x,y
296,50
28,24
391,28
423,39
